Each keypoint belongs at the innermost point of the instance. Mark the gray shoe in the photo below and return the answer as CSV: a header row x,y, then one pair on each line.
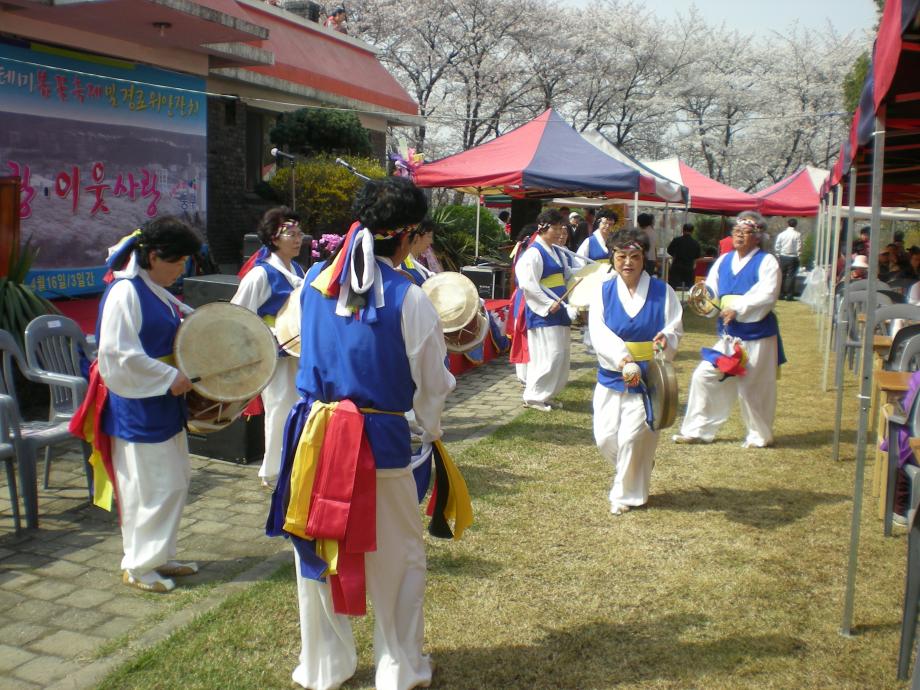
x,y
899,520
688,440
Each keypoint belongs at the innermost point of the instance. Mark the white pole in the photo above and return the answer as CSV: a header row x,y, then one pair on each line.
x,y
832,272
843,323
636,208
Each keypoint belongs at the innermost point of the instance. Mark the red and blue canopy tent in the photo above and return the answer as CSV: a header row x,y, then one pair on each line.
x,y
539,159
887,126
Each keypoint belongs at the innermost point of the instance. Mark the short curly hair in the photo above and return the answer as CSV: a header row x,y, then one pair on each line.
x,y
170,238
271,221
626,238
389,203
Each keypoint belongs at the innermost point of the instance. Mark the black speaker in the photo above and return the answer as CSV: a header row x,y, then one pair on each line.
x,y
242,441
200,290
492,282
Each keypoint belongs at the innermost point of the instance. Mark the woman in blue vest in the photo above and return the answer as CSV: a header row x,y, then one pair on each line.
x,y
595,248
746,283
145,409
264,289
629,317
541,275
420,242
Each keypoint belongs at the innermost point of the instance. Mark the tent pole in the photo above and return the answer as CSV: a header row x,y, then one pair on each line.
x,y
636,209
832,273
834,241
819,260
478,210
878,165
843,325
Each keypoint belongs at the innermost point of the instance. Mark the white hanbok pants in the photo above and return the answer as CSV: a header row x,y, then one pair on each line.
x,y
396,585
152,481
548,369
520,371
278,397
710,399
623,438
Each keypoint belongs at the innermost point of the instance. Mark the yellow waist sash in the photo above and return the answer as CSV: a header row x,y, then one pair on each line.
x,y
169,359
553,281
269,320
641,351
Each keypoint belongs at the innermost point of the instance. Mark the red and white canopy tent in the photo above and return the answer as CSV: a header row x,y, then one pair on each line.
x,y
797,195
706,195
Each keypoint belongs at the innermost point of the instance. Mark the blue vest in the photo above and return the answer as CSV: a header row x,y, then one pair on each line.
x,y
281,287
642,327
596,250
410,267
551,267
732,284
344,358
158,418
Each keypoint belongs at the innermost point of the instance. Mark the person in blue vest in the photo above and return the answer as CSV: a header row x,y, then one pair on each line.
x,y
594,247
541,274
746,285
372,350
145,411
264,289
630,317
420,242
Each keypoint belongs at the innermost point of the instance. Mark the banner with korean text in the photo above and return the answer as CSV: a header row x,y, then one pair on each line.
x,y
101,146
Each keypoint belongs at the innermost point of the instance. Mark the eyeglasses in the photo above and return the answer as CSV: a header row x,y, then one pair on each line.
x,y
743,233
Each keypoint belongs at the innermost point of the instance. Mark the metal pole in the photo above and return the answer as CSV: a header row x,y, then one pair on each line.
x,y
843,325
293,195
865,390
636,209
478,210
819,261
833,243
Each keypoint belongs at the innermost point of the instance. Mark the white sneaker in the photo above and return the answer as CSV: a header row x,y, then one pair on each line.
x,y
555,404
688,440
543,407
899,520
619,509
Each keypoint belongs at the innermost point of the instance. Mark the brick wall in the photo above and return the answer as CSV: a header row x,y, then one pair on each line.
x,y
226,179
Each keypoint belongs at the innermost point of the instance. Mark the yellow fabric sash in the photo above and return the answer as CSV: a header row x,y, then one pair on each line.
x,y
103,489
303,475
459,508
269,320
641,351
553,281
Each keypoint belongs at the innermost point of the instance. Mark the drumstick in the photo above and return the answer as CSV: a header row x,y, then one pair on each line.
x,y
565,294
289,340
212,374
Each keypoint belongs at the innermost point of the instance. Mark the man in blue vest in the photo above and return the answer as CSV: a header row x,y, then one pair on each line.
x,y
746,285
541,274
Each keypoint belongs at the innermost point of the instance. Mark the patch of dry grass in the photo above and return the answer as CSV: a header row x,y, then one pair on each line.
x,y
732,577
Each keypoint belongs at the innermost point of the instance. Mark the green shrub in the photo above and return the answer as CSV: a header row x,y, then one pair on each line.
x,y
455,239
310,131
325,190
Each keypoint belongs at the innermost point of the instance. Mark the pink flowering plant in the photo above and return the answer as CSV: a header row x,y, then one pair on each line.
x,y
326,245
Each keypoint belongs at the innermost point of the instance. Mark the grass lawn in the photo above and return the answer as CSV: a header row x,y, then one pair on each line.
x,y
732,577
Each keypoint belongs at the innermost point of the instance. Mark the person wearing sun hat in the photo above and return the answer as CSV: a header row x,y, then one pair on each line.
x,y
372,349
746,285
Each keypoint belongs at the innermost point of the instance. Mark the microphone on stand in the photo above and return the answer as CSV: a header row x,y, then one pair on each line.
x,y
278,152
348,166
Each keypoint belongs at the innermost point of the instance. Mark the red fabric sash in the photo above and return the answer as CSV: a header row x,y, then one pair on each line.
x,y
343,505
91,409
519,353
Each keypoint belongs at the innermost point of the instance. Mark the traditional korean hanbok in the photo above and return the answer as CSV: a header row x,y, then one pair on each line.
x,y
749,285
264,290
624,324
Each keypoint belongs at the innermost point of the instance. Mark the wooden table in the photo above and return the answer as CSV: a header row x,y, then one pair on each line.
x,y
892,382
881,343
